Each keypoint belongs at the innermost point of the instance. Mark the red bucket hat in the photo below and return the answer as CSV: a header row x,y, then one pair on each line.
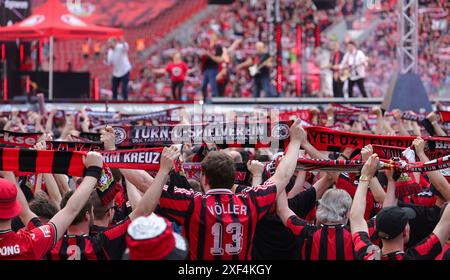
x,y
9,205
152,238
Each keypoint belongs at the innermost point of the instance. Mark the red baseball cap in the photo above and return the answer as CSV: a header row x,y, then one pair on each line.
x,y
9,205
152,238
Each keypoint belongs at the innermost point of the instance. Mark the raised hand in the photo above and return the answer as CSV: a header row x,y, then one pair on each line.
x,y
371,166
93,159
366,152
297,132
169,155
108,138
419,145
255,167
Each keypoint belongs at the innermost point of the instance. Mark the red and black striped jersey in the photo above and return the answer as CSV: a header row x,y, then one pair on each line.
x,y
324,242
445,254
219,225
107,245
428,249
27,244
425,198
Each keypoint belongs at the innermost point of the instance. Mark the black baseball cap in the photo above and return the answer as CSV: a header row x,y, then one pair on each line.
x,y
391,221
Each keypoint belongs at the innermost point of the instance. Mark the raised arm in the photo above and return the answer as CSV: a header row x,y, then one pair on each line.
x,y
377,190
50,182
357,221
108,58
283,210
256,168
323,184
63,185
436,178
65,216
288,163
133,195
379,128
49,122
374,185
245,64
52,188
442,229
160,71
151,197
312,151
401,127
298,185
26,215
433,118
390,198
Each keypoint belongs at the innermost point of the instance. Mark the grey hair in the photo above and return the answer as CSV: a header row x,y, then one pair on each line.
x,y
334,206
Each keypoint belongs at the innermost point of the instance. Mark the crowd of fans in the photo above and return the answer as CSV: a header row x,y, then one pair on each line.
x,y
243,24
280,213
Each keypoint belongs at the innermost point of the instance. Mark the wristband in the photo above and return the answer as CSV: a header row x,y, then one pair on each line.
x,y
434,122
364,178
93,171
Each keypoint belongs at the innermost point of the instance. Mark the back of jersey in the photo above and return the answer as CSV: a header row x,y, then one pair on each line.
x,y
221,226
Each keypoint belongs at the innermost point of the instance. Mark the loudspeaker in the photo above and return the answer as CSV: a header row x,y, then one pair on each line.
x,y
221,2
325,4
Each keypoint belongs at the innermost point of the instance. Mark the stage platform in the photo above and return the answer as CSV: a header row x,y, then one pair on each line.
x,y
217,105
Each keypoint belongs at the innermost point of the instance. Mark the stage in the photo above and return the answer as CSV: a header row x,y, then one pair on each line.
x,y
217,105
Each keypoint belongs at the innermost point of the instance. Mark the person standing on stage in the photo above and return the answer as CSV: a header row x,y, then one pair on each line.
x,y
177,69
211,59
354,66
259,68
117,56
336,59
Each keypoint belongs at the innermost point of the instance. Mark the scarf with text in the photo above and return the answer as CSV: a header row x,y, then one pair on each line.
x,y
257,135
19,139
74,146
388,152
326,139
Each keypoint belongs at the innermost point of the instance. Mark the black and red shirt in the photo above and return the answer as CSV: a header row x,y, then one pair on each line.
x,y
428,249
219,225
225,77
425,198
26,244
324,242
107,245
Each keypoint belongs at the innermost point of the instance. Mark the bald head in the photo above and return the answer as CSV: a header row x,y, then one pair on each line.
x,y
260,48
